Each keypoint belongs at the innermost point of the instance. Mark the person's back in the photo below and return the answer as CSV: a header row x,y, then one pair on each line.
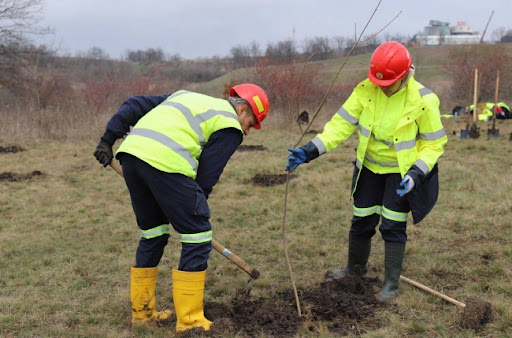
x,y
171,136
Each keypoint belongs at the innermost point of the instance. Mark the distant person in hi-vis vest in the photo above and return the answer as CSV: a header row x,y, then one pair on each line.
x,y
171,159
401,138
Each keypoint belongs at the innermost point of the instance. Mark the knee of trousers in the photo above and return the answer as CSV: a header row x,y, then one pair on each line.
x,y
393,231
194,256
364,226
150,251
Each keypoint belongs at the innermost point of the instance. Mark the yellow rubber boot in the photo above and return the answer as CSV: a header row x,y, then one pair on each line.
x,y
188,294
142,296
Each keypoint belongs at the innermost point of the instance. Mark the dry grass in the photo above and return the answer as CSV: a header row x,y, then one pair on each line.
x,y
69,237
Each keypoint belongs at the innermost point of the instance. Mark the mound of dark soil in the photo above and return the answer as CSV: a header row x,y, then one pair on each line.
x,y
342,305
243,147
270,180
13,177
10,149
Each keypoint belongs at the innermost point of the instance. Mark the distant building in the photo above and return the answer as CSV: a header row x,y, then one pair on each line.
x,y
441,33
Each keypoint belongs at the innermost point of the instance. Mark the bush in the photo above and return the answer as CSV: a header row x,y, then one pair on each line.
x,y
488,59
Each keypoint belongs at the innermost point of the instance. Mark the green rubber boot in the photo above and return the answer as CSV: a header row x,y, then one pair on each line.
x,y
394,256
358,252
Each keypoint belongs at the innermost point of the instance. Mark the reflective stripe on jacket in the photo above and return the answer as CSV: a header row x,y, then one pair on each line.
x,y
171,136
418,137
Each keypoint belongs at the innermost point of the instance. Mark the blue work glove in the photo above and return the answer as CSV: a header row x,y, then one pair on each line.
x,y
407,183
297,156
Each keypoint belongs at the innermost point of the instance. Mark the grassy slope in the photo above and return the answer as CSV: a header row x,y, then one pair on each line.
x,y
428,62
68,239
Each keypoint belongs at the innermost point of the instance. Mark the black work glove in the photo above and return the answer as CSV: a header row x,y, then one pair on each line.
x,y
103,153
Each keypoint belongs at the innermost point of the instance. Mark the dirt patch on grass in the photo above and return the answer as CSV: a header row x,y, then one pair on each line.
x,y
251,148
270,180
343,307
14,177
10,149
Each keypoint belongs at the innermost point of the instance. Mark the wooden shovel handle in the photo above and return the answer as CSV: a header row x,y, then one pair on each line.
x,y
117,167
434,292
216,245
235,259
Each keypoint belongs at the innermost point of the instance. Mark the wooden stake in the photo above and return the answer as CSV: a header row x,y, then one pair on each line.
x,y
497,87
496,100
475,96
468,117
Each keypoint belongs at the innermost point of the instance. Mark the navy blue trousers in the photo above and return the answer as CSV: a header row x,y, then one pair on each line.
x,y
379,190
160,198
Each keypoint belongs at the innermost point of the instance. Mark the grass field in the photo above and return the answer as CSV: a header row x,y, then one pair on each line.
x,y
68,236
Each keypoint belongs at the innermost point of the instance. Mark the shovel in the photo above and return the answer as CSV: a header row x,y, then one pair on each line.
x,y
434,292
252,272
476,313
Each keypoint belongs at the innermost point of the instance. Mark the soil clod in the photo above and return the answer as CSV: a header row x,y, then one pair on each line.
x,y
11,149
270,180
243,147
476,314
13,177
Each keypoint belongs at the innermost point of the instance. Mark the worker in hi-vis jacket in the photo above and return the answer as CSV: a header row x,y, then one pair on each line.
x,y
401,138
171,159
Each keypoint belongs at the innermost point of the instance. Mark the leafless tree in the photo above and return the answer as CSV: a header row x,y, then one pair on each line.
x,y
150,54
244,56
319,46
403,39
255,49
19,21
499,33
97,53
241,56
282,52
339,44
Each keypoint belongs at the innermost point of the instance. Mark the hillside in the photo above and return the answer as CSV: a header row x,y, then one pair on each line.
x,y
57,91
431,64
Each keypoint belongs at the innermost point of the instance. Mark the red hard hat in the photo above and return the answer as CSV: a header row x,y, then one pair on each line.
x,y
390,62
256,97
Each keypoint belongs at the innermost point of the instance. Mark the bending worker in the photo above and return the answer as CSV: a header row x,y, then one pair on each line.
x,y
400,141
171,159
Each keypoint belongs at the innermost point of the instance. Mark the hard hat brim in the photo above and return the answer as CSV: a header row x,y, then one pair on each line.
x,y
383,83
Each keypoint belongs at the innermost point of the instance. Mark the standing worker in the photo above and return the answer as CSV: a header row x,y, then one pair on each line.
x,y
171,159
400,141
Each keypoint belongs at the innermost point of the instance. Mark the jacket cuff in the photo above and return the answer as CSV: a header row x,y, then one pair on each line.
x,y
311,151
416,174
109,138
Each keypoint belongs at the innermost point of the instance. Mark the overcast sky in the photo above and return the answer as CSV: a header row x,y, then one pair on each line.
x,y
206,28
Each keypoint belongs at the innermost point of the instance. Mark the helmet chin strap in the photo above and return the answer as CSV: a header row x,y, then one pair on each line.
x,y
406,78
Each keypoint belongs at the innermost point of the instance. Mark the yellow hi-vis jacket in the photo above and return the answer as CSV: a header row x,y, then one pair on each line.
x,y
171,136
417,138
